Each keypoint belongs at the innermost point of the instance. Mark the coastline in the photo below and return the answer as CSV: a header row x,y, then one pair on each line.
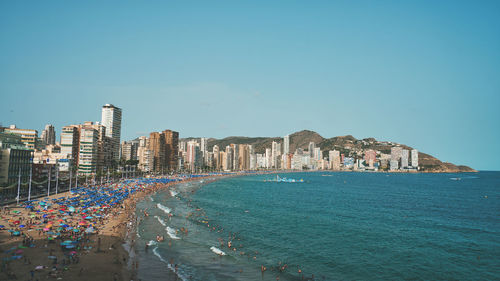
x,y
108,255
132,234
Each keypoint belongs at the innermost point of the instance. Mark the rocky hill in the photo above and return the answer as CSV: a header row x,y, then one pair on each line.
x,y
348,145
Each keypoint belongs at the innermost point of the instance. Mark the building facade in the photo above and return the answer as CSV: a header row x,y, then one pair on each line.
x,y
111,118
15,159
49,135
28,137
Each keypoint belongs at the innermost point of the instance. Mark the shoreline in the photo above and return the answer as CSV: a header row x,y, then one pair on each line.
x,y
30,253
133,232
109,254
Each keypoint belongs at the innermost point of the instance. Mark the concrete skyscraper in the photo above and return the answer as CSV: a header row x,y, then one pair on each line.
x,y
111,118
312,146
414,158
286,144
171,149
49,135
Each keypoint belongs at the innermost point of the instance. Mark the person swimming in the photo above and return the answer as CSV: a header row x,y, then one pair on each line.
x,y
159,238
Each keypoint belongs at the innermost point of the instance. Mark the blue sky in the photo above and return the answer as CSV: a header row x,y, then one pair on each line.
x,y
422,73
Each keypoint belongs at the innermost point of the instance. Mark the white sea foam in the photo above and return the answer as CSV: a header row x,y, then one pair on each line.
x,y
160,220
170,266
171,233
173,193
151,198
152,242
217,251
163,208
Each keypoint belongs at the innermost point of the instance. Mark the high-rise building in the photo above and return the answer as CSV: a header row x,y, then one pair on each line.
x,y
269,158
104,153
193,155
334,158
312,146
253,161
244,157
182,146
157,147
144,155
70,143
89,150
286,144
275,152
318,155
414,158
370,157
396,152
171,149
228,165
393,165
111,118
217,157
15,159
404,158
28,137
204,145
236,155
128,150
49,135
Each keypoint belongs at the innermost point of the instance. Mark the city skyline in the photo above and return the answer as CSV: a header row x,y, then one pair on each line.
x,y
412,73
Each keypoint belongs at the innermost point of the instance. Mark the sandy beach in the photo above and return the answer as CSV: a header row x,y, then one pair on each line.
x,y
28,252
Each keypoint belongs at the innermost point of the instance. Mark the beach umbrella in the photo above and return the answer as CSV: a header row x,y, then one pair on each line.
x,y
16,233
2,226
70,246
22,225
19,251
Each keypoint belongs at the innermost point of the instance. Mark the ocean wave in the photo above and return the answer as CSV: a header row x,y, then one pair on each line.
x,y
152,242
160,220
217,251
151,198
165,209
173,193
170,266
171,233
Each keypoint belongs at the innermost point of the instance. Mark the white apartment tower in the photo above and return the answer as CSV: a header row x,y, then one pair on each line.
x,y
404,158
312,146
111,118
286,144
414,158
204,145
89,149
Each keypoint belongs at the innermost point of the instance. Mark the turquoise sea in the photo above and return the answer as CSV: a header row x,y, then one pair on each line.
x,y
333,226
